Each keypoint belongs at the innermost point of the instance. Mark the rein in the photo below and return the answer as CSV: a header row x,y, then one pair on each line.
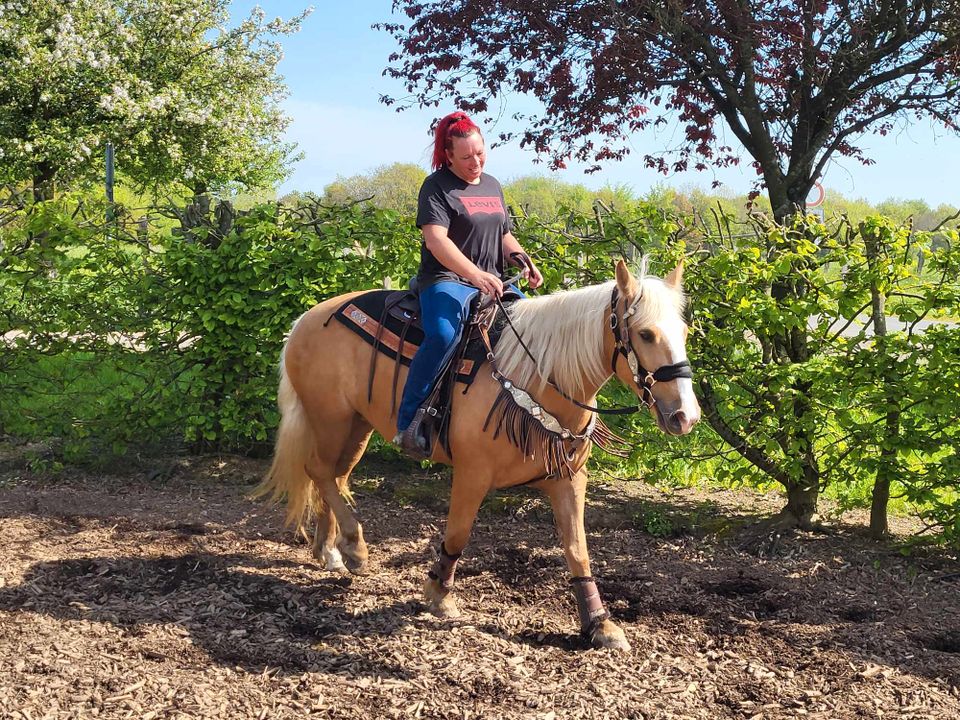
x,y
664,373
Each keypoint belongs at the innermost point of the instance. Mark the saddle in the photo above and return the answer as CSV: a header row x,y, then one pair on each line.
x,y
389,320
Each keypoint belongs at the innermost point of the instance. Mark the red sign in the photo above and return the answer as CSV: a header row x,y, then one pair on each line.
x,y
817,193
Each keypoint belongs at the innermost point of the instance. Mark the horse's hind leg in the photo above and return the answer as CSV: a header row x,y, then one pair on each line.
x,y
324,546
331,482
567,499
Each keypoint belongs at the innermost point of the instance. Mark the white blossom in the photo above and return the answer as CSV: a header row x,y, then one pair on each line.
x,y
89,52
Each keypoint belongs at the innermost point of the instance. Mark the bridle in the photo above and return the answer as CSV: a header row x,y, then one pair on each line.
x,y
622,345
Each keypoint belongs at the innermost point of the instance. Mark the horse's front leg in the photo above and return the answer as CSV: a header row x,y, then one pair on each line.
x,y
567,499
466,494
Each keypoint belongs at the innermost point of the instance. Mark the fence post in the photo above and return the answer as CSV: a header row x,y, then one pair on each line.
x,y
109,182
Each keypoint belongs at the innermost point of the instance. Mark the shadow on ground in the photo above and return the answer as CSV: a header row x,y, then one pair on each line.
x,y
816,603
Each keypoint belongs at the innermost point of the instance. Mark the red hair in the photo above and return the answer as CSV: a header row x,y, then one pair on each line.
x,y
456,124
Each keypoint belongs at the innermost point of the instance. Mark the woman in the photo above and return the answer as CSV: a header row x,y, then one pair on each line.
x,y
466,237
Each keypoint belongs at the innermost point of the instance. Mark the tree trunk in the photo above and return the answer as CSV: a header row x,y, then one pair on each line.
x,y
804,492
44,182
879,527
783,203
792,347
802,499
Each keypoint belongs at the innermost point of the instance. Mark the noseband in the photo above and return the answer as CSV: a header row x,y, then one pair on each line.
x,y
623,345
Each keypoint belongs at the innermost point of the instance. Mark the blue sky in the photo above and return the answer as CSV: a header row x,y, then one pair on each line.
x,y
334,66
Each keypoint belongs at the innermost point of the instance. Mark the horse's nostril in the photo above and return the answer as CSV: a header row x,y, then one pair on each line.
x,y
678,418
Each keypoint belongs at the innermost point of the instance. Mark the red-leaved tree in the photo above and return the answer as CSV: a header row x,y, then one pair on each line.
x,y
795,81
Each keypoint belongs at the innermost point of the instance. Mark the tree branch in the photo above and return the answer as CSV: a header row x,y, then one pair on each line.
x,y
735,440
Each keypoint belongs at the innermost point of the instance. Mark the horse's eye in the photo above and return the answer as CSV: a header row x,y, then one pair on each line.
x,y
647,335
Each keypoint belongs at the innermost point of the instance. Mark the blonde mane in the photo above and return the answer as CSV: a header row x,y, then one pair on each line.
x,y
566,331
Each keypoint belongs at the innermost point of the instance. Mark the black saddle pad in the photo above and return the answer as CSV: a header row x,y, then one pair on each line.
x,y
363,314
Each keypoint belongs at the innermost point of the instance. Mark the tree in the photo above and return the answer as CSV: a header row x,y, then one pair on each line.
x,y
795,82
542,196
183,97
392,187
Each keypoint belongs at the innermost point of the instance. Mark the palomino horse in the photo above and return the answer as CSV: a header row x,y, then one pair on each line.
x,y
575,336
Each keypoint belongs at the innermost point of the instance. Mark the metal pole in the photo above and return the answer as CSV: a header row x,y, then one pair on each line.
x,y
109,181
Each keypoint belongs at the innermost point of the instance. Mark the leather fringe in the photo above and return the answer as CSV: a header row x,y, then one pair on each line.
x,y
528,434
608,441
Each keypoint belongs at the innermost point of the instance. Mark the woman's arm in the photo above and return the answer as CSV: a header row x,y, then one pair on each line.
x,y
449,255
511,245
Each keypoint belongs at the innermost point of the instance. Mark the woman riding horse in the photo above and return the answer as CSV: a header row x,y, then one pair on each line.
x,y
526,420
466,236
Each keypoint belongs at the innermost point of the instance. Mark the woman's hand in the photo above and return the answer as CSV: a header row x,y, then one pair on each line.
x,y
530,273
533,276
487,283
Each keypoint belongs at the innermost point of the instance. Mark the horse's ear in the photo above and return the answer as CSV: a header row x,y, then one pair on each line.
x,y
675,278
626,283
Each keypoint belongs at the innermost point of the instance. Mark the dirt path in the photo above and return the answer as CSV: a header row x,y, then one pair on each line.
x,y
176,597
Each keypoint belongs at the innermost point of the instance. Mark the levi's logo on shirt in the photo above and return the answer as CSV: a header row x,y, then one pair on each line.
x,y
483,205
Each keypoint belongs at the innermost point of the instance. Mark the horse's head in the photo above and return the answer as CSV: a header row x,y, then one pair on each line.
x,y
651,357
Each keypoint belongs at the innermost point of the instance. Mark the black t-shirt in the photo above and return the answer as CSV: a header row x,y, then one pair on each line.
x,y
476,219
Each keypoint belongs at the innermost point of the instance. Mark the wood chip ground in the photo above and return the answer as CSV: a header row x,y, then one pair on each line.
x,y
172,595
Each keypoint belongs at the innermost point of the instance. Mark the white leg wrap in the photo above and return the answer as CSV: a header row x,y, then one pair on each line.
x,y
333,559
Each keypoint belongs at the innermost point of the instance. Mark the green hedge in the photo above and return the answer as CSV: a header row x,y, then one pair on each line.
x,y
117,339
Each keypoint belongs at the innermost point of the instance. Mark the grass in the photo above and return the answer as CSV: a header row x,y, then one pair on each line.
x,y
88,408
90,405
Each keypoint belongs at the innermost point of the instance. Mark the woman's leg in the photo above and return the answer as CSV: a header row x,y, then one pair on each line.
x,y
443,310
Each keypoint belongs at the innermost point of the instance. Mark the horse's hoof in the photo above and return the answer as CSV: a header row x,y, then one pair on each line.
x,y
608,635
356,567
354,555
446,609
440,601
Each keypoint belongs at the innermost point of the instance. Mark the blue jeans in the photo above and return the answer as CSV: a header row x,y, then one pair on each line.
x,y
444,307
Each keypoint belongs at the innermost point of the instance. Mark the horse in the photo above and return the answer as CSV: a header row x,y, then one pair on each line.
x,y
563,348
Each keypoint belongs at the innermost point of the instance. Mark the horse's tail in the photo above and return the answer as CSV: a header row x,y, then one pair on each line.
x,y
287,476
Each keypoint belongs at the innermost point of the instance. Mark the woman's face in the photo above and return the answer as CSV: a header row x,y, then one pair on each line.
x,y
467,156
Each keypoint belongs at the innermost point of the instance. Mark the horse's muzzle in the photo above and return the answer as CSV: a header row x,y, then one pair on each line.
x,y
680,422
676,422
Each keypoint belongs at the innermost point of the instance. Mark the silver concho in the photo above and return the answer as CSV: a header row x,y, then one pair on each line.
x,y
358,317
523,399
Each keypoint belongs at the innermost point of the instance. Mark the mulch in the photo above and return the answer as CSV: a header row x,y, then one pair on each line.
x,y
142,594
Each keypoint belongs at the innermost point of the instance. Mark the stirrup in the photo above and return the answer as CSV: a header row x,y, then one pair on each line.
x,y
409,442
